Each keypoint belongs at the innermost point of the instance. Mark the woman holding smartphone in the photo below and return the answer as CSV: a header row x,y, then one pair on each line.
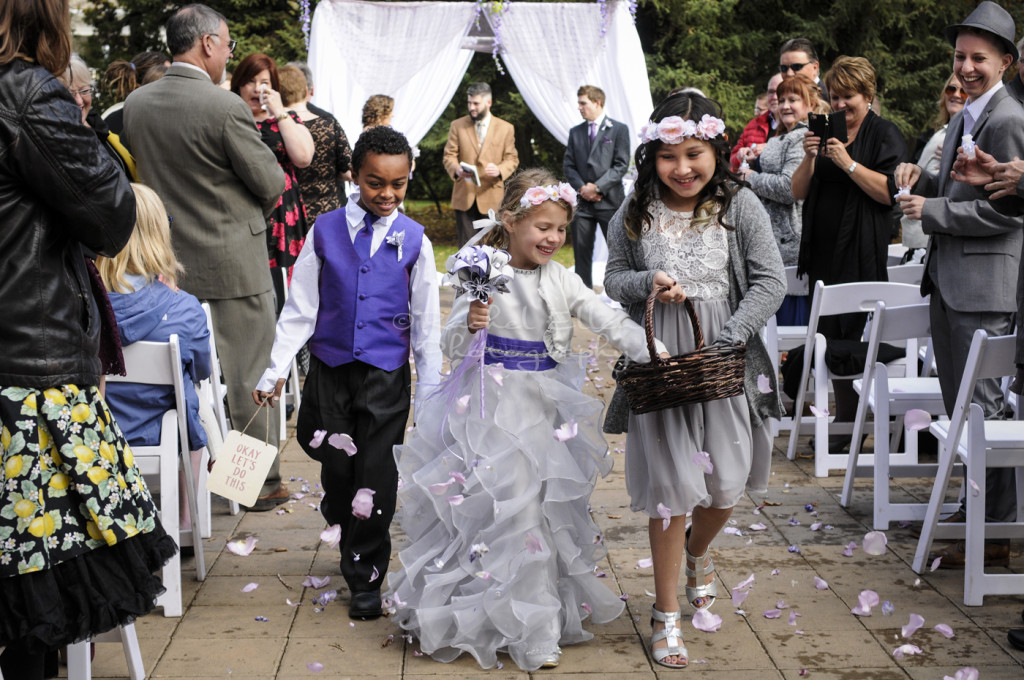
x,y
847,189
255,80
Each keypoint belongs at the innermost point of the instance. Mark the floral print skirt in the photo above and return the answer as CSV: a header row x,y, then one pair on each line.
x,y
79,533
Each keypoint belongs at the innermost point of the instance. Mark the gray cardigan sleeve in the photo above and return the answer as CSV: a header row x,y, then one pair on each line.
x,y
622,280
758,261
778,186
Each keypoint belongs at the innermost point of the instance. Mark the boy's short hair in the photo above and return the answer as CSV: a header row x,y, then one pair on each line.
x,y
293,85
482,89
383,140
593,93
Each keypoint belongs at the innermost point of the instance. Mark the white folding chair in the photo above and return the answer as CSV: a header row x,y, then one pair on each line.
x,y
895,254
843,298
981,444
292,391
80,656
888,397
159,363
906,273
779,339
214,391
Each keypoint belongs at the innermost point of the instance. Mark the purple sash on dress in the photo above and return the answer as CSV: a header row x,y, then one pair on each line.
x,y
518,355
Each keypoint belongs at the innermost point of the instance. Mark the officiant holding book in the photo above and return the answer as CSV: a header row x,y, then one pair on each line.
x,y
487,144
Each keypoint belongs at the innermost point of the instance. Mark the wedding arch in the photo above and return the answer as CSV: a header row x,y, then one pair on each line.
x,y
418,52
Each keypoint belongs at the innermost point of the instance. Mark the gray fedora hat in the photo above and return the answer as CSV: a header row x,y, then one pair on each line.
x,y
991,18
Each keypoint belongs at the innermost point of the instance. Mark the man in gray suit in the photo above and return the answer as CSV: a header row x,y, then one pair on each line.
x,y
596,158
971,268
198,147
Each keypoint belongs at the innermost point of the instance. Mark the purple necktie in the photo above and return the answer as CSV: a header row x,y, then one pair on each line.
x,y
593,131
364,237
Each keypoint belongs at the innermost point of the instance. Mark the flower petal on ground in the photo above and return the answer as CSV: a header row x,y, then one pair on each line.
x,y
917,419
738,596
916,621
966,673
875,542
645,563
316,581
944,630
242,548
906,650
865,601
249,587
706,621
850,547
935,563
314,666
757,527
820,583
772,613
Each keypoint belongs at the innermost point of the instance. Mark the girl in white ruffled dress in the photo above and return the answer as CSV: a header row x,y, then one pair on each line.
x,y
502,549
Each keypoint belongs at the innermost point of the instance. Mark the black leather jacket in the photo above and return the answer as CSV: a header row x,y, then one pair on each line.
x,y
59,191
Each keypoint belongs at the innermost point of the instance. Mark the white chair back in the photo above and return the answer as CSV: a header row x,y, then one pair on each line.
x,y
795,285
906,273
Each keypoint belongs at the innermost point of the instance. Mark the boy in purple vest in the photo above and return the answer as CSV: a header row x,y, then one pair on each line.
x,y
363,293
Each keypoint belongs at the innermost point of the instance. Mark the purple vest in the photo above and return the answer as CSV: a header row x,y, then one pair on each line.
x,y
364,304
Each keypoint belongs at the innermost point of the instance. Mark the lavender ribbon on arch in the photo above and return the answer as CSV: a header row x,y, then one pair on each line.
x,y
481,272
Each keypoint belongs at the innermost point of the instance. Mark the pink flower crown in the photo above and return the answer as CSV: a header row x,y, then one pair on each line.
x,y
552,192
673,130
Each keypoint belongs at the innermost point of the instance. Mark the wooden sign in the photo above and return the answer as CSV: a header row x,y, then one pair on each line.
x,y
241,468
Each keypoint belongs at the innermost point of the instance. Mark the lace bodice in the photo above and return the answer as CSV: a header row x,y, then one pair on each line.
x,y
696,257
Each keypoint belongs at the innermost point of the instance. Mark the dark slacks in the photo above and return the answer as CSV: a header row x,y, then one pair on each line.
x,y
584,233
371,406
952,332
464,223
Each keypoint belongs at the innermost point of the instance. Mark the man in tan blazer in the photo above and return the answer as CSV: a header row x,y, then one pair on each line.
x,y
488,143
197,146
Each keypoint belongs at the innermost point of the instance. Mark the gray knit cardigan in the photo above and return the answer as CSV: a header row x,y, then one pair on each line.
x,y
757,284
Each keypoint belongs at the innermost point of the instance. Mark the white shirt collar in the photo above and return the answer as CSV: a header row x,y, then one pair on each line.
x,y
974,107
354,216
599,121
192,66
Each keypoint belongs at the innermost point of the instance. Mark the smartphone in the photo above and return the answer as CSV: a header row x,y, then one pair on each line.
x,y
828,126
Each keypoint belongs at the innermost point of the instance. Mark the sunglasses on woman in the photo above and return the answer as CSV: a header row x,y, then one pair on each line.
x,y
953,89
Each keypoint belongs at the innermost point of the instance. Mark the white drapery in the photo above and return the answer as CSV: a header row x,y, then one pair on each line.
x,y
412,52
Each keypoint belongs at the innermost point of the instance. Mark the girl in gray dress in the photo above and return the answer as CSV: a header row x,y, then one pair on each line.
x,y
692,228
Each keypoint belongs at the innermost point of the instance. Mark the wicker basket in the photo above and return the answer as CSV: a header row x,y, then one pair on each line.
x,y
706,374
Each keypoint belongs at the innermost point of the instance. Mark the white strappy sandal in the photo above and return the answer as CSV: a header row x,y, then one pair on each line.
x,y
673,633
706,591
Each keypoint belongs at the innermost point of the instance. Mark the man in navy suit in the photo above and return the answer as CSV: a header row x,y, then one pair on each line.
x,y
596,158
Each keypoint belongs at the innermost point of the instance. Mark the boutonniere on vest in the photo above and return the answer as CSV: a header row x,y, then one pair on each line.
x,y
396,240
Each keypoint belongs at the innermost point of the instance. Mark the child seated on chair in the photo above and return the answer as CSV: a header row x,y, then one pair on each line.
x,y
364,293
140,281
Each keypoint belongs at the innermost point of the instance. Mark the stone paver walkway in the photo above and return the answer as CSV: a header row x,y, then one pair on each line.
x,y
221,634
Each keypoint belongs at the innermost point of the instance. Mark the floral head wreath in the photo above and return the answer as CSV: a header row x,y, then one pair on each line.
x,y
552,192
673,130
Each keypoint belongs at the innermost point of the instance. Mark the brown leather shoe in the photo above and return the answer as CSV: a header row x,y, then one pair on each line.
x,y
957,517
271,500
954,555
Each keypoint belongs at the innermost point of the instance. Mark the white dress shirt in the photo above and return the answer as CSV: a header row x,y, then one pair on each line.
x,y
481,128
974,108
297,322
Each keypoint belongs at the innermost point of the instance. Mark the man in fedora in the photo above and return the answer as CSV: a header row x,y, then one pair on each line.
x,y
971,267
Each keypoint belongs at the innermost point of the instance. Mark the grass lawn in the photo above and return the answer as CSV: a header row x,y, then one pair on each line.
x,y
440,229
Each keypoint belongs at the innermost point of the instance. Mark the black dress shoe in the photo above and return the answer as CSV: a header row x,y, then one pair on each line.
x,y
1015,636
365,605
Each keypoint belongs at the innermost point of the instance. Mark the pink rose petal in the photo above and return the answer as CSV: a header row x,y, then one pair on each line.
x,y
496,371
772,613
975,490
461,404
916,621
917,419
874,543
483,575
666,516
820,583
362,503
533,544
850,547
242,548
567,431
458,476
865,601
935,563
342,442
818,413
906,650
702,459
738,596
746,583
792,617
314,666
456,499
292,604
586,607
645,563
318,439
757,527
441,487
704,620
331,535
316,581
815,526
944,630
966,673
764,385
732,531
249,587
374,575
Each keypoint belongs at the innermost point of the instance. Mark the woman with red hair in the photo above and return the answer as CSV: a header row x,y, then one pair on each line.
x,y
255,81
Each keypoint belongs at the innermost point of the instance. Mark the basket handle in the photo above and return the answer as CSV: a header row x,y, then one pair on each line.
x,y
698,334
